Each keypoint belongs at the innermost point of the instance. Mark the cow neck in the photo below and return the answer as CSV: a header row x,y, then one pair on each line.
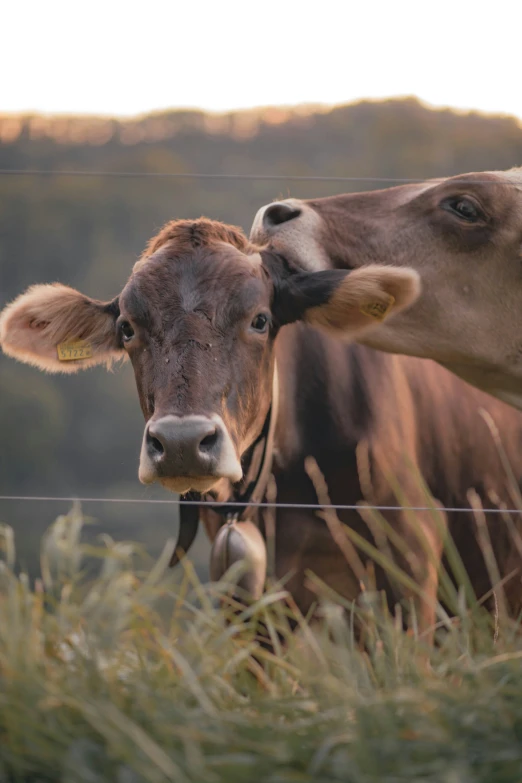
x,y
255,489
253,492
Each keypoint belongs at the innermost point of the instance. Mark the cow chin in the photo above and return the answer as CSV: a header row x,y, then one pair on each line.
x,y
201,484
184,484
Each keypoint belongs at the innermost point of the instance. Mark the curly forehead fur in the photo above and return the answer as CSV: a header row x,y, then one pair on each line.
x,y
184,236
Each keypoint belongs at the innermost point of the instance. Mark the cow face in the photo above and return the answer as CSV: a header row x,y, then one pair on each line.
x,y
198,319
463,235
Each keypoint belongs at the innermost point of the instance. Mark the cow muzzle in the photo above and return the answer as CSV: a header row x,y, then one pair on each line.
x,y
188,453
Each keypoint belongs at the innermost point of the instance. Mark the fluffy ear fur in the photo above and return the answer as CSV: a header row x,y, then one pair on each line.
x,y
366,297
346,302
46,316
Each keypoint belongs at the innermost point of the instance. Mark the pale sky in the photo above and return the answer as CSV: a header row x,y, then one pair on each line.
x,y
125,58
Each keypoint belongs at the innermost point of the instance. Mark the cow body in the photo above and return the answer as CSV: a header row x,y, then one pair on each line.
x,y
413,418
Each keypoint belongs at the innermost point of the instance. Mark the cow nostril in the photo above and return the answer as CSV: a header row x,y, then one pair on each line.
x,y
156,445
209,441
279,213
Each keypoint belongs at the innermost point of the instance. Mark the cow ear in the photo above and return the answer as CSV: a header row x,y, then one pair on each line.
x,y
57,329
346,302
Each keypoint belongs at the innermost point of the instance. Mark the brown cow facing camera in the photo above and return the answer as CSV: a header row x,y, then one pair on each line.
x,y
239,371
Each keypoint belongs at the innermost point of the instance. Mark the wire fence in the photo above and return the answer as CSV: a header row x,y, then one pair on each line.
x,y
243,177
252,504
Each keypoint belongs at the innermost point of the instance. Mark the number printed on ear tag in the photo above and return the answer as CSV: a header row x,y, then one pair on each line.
x,y
76,349
378,310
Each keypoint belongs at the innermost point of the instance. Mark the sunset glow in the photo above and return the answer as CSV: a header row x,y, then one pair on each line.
x,y
120,58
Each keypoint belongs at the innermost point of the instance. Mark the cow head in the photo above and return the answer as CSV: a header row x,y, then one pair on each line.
x,y
198,319
463,235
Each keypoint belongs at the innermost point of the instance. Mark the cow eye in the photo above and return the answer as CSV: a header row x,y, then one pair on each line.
x,y
260,322
463,208
126,331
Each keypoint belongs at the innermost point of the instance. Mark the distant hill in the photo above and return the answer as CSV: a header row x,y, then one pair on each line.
x,y
391,138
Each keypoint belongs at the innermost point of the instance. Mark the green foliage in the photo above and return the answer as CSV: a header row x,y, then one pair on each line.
x,y
137,676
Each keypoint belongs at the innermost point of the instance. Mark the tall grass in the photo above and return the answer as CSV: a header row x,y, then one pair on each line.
x,y
144,675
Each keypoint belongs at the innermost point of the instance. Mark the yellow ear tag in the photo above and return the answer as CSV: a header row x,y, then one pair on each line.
x,y
76,349
379,310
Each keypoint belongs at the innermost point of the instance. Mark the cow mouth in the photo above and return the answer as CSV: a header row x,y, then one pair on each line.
x,y
184,484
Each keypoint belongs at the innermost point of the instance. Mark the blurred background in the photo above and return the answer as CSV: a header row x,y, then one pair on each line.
x,y
67,74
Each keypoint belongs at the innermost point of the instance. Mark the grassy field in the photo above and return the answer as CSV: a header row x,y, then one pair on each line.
x,y
138,676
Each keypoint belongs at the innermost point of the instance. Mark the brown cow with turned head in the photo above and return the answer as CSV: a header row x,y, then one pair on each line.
x,y
236,358
463,235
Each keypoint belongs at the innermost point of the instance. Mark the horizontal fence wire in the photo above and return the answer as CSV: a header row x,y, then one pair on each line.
x,y
232,176
251,504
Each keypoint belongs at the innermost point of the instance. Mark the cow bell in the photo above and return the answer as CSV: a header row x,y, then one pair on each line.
x,y
237,541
